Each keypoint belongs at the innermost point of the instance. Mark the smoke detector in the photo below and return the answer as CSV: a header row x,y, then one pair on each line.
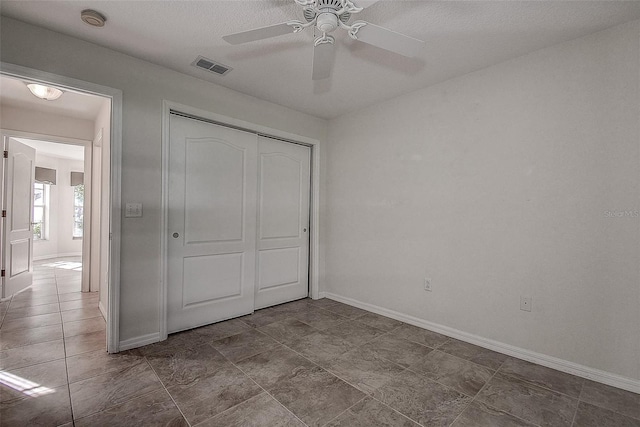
x,y
93,18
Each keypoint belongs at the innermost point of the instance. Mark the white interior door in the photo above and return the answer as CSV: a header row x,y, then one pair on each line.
x,y
211,223
18,204
283,222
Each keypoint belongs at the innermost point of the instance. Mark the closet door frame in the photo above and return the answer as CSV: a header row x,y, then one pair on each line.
x,y
314,212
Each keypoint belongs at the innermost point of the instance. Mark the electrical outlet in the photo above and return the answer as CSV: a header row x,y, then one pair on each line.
x,y
525,303
427,284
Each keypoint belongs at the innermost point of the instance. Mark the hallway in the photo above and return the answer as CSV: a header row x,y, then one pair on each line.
x,y
39,328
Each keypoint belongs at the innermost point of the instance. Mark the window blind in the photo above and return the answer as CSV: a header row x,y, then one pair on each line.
x,y
77,178
45,175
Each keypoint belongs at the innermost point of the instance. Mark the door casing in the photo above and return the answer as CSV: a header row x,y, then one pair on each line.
x,y
314,247
115,95
87,169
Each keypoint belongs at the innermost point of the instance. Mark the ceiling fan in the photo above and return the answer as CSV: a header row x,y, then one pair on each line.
x,y
327,16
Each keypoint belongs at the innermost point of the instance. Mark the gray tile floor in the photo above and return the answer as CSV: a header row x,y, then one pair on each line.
x,y
303,363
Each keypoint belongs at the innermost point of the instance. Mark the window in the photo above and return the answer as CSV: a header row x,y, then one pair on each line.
x,y
40,207
78,208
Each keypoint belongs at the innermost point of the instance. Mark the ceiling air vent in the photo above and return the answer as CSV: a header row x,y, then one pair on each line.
x,y
211,66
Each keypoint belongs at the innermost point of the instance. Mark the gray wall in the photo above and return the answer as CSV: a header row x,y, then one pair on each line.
x,y
495,185
144,87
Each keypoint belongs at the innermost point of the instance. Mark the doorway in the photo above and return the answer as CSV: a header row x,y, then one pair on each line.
x,y
100,251
59,214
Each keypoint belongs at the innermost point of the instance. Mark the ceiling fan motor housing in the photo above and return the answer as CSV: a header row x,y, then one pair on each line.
x,y
326,6
327,22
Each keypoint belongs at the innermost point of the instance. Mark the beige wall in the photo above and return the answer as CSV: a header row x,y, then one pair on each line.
x,y
495,185
144,87
25,120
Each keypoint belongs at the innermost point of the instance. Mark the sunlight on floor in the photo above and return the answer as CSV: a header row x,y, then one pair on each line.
x,y
65,265
24,386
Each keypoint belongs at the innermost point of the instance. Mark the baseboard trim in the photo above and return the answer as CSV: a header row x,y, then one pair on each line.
x,y
593,374
102,310
140,341
43,257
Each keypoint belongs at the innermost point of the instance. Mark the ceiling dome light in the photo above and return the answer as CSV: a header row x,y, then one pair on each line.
x,y
44,92
93,18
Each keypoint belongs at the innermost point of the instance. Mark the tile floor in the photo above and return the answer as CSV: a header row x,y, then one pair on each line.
x,y
308,362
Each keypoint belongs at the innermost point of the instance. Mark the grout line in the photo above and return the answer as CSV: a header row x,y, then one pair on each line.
x,y
533,384
17,367
352,385
581,390
575,413
167,391
6,311
35,343
478,393
66,367
112,371
338,416
265,390
282,344
473,398
467,360
397,411
598,404
425,376
117,404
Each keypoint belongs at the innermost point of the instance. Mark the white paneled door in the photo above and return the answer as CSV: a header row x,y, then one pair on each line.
x,y
238,223
17,245
211,244
283,222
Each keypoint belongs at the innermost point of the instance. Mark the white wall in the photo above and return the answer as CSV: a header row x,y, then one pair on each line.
x,y
32,121
144,87
495,185
60,240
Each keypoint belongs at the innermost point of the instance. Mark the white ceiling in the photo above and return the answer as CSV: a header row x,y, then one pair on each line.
x,y
54,149
461,36
14,92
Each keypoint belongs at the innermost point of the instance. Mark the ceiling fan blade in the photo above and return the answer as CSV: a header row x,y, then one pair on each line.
x,y
323,55
259,33
386,39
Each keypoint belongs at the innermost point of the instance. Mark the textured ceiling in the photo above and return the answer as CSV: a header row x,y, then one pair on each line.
x,y
14,93
461,36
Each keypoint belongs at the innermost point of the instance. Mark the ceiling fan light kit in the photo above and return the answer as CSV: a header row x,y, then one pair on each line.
x,y
327,16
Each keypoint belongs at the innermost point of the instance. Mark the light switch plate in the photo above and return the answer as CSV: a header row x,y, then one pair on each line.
x,y
133,210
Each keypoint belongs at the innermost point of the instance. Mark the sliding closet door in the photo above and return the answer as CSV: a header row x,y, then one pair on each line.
x,y
283,222
212,223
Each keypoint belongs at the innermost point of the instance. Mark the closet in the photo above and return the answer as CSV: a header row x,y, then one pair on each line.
x,y
238,222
